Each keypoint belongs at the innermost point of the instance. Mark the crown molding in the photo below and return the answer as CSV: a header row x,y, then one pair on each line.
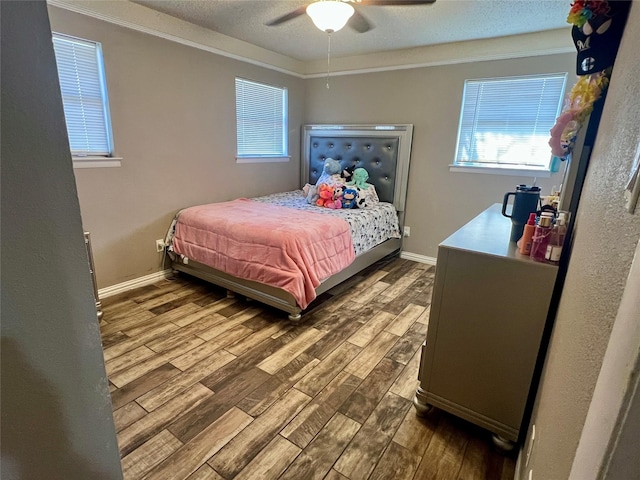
x,y
142,19
548,42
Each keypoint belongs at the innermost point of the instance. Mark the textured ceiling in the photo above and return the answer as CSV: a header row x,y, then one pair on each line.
x,y
396,27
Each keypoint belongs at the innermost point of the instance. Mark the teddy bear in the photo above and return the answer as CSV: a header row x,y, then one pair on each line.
x,y
325,194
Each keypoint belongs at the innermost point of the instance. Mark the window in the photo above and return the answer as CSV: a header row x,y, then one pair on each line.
x,y
261,112
84,96
505,122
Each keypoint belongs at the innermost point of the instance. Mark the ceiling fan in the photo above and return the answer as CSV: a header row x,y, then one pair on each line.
x,y
331,15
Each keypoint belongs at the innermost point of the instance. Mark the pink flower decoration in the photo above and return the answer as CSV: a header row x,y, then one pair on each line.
x,y
555,142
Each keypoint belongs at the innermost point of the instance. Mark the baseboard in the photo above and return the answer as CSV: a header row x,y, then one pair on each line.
x,y
135,283
154,277
418,258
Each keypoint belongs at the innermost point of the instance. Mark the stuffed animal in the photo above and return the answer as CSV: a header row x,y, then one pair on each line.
x,y
330,172
311,194
366,198
347,173
325,194
330,175
334,204
349,198
360,176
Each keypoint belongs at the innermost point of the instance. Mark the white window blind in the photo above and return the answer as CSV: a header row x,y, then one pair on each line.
x,y
84,95
505,122
261,112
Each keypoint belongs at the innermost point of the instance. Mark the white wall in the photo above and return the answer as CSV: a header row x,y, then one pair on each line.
x,y
56,410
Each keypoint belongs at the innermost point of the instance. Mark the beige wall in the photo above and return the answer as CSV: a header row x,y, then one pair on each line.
x,y
173,116
439,201
603,249
56,409
173,130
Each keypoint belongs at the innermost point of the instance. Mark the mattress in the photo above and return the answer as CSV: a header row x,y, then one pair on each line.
x,y
283,241
369,226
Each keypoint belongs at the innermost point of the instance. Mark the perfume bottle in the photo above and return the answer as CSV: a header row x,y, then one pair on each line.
x,y
556,240
541,237
527,235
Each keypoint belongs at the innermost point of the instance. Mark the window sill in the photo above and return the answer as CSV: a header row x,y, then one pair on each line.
x,y
96,162
516,172
262,159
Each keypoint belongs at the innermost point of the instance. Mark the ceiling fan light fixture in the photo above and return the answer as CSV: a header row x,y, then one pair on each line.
x,y
330,15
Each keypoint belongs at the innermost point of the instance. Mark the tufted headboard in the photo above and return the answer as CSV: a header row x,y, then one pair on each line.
x,y
383,150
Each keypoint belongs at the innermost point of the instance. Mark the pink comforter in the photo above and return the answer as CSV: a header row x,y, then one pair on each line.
x,y
283,247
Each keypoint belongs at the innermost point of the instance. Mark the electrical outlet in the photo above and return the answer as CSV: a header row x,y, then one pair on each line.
x,y
159,245
407,231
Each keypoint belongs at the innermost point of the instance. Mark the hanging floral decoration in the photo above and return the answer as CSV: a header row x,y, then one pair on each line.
x,y
583,10
578,106
597,28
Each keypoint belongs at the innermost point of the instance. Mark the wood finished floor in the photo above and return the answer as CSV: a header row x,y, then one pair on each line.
x,y
206,388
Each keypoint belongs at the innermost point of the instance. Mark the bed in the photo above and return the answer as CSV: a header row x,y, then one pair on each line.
x,y
383,150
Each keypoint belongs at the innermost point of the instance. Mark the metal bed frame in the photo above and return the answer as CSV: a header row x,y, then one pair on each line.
x,y
384,150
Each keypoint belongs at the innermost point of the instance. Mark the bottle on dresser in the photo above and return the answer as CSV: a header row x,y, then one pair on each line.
x,y
556,239
527,234
541,237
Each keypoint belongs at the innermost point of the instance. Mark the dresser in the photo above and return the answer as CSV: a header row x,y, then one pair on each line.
x,y
488,312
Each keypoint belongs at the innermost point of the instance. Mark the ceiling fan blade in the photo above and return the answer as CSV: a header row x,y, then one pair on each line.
x,y
289,16
359,23
400,3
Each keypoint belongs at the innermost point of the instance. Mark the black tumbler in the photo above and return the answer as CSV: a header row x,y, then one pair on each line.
x,y
525,201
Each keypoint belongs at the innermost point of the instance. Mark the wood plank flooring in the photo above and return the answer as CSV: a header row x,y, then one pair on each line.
x,y
207,387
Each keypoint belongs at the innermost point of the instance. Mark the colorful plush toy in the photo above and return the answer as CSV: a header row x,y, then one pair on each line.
x,y
338,191
349,198
360,176
330,175
334,204
325,194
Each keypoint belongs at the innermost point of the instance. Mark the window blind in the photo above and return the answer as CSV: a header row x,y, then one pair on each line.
x,y
505,122
84,95
261,112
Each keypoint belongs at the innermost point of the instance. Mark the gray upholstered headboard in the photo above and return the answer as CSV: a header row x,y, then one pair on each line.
x,y
383,150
